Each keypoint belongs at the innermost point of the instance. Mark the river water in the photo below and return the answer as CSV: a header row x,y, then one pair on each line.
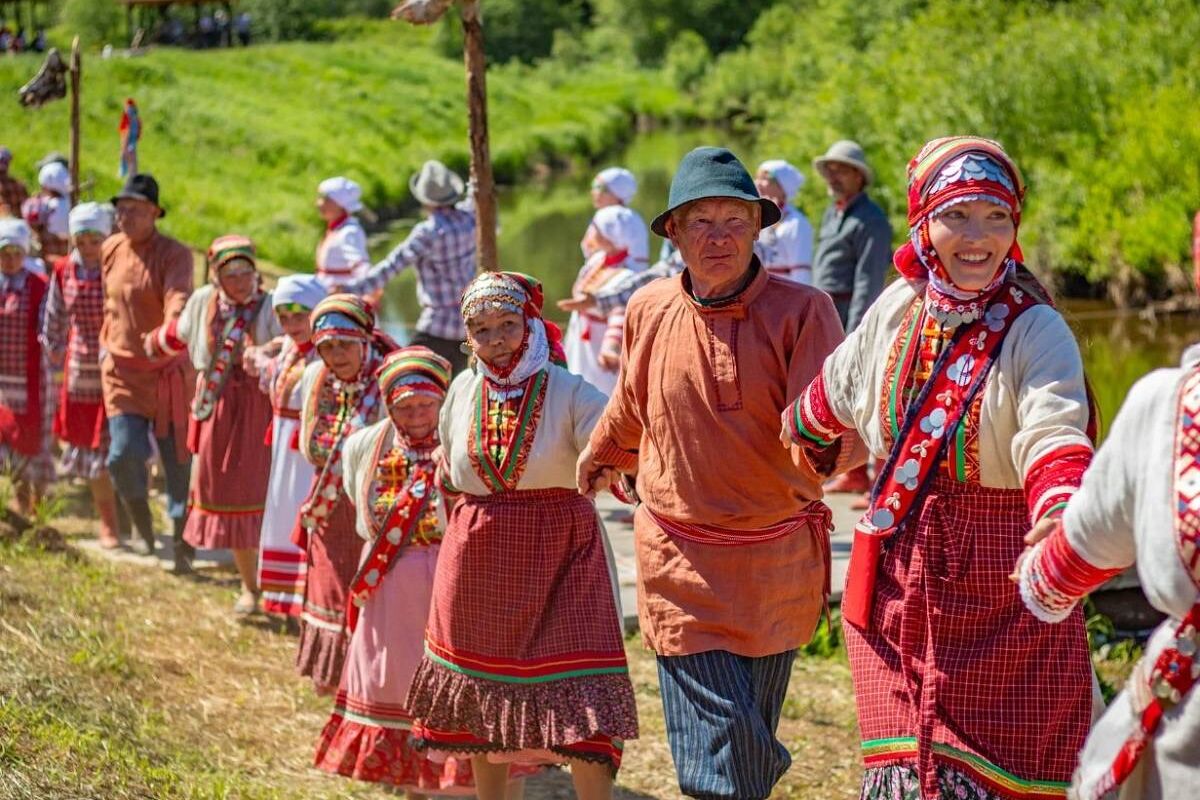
x,y
541,223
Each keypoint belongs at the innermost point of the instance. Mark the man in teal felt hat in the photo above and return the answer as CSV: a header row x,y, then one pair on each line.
x,y
731,537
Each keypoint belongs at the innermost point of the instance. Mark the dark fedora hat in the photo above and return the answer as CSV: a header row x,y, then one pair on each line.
x,y
712,172
141,187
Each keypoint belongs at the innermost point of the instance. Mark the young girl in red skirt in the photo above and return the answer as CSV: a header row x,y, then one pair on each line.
x,y
229,411
524,660
340,396
71,339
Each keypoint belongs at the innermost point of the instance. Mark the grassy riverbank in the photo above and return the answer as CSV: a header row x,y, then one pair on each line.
x,y
120,681
240,138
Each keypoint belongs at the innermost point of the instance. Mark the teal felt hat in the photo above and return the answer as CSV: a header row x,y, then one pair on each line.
x,y
712,172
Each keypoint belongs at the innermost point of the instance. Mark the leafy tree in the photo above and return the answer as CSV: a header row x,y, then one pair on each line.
x,y
523,30
653,25
96,21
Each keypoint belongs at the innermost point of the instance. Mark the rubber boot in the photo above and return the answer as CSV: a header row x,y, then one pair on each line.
x,y
184,553
143,522
124,524
105,501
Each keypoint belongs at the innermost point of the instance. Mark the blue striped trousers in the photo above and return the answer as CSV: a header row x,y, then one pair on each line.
x,y
722,711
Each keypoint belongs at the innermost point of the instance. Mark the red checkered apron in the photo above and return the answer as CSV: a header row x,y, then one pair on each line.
x,y
954,670
80,416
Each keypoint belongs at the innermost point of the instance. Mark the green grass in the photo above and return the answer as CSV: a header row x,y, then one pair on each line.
x,y
240,138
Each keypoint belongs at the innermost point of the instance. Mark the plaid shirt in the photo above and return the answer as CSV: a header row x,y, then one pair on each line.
x,y
12,195
618,294
442,250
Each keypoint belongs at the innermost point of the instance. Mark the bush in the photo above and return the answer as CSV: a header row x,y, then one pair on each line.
x,y
1107,144
652,25
688,58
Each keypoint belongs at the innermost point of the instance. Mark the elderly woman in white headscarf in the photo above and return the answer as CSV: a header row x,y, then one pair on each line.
x,y
48,211
342,256
786,248
618,242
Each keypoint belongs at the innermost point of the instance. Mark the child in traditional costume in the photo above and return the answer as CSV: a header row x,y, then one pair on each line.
x,y
229,411
523,654
969,382
281,564
48,211
342,256
1139,502
71,338
26,399
388,470
617,240
339,396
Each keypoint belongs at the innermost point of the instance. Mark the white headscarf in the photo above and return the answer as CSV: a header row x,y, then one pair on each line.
x,y
619,182
343,191
94,217
14,232
624,228
788,177
55,177
303,290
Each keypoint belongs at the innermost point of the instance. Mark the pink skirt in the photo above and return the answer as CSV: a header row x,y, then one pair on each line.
x,y
367,736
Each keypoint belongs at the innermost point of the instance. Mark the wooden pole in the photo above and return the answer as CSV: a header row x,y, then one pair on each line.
x,y
481,160
76,80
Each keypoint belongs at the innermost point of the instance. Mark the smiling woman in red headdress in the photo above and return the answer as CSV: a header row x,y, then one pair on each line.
x,y
969,383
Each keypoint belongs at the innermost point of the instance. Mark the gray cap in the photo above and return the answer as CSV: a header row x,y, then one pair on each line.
x,y
436,185
849,152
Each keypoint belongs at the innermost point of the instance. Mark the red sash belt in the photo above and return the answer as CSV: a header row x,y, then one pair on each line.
x,y
816,514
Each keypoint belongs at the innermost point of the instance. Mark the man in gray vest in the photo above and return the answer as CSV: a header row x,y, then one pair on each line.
x,y
854,249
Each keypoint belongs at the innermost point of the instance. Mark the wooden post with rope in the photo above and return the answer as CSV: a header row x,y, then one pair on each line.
x,y
425,12
76,80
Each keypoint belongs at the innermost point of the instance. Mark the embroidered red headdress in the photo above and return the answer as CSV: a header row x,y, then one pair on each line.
x,y
947,171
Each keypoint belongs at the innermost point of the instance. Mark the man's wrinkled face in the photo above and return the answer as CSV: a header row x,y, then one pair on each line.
x,y
844,180
715,237
137,218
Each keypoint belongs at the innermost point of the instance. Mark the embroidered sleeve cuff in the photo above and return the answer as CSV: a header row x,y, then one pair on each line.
x,y
164,340
1054,577
1053,479
809,421
606,453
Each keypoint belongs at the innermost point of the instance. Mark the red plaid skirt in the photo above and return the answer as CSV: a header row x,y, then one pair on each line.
x,y
523,651
955,670
332,553
232,467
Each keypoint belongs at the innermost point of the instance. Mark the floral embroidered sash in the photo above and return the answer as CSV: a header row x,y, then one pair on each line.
x,y
353,415
957,377
232,340
499,439
392,535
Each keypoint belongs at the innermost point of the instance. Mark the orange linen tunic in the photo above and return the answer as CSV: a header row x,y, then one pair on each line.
x,y
144,286
696,411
